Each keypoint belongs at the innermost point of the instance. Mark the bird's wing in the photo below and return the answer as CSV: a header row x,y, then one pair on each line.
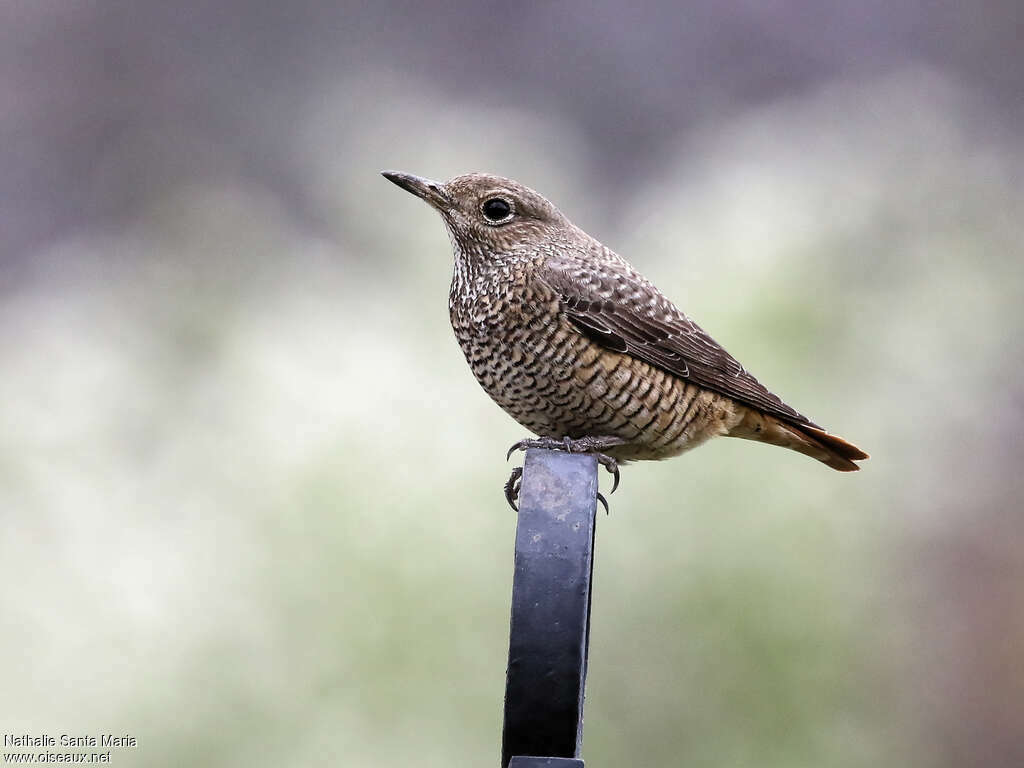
x,y
620,309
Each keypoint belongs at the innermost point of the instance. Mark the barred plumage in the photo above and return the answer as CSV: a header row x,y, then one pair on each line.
x,y
572,341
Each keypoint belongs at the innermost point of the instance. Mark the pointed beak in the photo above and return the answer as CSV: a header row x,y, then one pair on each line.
x,y
428,190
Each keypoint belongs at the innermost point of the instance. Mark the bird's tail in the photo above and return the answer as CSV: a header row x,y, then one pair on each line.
x,y
810,441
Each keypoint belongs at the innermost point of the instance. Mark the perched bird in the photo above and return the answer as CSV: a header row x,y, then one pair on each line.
x,y
581,349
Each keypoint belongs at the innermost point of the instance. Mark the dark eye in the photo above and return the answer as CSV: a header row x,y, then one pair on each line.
x,y
496,209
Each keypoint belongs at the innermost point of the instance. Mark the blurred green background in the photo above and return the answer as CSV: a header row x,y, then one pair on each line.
x,y
250,493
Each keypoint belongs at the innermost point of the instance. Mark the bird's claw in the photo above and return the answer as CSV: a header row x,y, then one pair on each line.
x,y
548,443
522,445
591,445
612,466
512,487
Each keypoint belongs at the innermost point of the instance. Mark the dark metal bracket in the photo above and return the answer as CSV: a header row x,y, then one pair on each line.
x,y
550,627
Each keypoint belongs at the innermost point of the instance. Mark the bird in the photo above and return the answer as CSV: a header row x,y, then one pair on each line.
x,y
585,352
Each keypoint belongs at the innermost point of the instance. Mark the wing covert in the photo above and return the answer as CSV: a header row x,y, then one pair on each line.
x,y
621,310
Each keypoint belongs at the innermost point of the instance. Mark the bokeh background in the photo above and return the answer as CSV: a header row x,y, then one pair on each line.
x,y
250,493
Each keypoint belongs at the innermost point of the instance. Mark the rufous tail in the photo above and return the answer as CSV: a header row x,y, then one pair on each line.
x,y
810,441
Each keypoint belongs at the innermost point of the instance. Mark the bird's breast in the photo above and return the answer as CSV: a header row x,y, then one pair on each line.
x,y
555,381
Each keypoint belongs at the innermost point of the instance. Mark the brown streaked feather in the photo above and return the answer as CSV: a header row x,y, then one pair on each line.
x,y
621,310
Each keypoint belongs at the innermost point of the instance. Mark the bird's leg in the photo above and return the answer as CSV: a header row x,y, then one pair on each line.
x,y
592,445
580,445
547,443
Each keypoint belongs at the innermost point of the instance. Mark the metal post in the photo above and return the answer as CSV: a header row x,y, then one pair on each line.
x,y
550,627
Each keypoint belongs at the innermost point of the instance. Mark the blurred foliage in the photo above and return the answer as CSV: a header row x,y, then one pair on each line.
x,y
251,494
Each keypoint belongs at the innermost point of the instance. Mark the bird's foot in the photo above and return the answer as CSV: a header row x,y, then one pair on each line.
x,y
591,445
515,481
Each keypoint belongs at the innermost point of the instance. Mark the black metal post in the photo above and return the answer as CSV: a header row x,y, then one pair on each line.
x,y
550,627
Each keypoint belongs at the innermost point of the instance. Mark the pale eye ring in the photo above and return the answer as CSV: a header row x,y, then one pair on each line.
x,y
497,210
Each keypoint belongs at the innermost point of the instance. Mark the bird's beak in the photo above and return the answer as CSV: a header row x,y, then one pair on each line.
x,y
425,189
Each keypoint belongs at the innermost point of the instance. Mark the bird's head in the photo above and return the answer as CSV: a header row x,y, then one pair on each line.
x,y
487,214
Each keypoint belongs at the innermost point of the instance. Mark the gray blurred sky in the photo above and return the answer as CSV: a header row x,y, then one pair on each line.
x,y
208,88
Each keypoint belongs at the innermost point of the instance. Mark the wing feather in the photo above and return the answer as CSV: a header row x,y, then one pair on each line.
x,y
621,310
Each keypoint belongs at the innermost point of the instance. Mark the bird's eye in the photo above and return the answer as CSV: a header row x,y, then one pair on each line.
x,y
496,210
